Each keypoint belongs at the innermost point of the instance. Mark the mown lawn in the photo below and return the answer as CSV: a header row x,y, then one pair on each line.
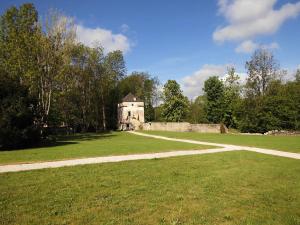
x,y
223,188
283,143
90,145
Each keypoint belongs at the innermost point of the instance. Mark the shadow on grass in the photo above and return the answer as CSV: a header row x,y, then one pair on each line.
x,y
62,140
84,137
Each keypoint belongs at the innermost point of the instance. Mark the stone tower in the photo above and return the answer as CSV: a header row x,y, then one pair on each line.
x,y
130,113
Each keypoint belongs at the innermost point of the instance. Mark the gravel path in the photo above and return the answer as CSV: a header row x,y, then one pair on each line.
x,y
107,159
235,147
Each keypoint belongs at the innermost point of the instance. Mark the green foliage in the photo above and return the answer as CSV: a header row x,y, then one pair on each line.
x,y
19,126
17,115
197,112
214,92
262,69
175,107
277,109
231,98
269,103
266,104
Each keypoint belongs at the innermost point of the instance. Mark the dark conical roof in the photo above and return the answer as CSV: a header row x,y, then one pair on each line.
x,y
131,98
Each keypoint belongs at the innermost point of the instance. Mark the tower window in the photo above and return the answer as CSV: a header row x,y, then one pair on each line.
x,y
129,113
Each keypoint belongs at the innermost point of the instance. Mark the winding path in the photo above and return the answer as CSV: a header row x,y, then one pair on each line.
x,y
107,159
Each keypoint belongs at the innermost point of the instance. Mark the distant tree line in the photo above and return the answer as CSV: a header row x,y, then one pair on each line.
x,y
265,102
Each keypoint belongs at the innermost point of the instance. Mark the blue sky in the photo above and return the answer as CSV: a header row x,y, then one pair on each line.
x,y
185,40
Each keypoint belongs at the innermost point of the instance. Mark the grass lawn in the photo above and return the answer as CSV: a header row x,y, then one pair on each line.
x,y
90,145
223,188
283,143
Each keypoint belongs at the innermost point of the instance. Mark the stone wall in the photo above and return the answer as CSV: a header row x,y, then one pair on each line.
x,y
206,128
184,127
163,126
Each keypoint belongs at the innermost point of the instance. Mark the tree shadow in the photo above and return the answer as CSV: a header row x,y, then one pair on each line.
x,y
71,139
84,137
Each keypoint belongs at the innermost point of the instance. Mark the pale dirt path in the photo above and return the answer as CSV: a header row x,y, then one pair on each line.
x,y
235,147
107,159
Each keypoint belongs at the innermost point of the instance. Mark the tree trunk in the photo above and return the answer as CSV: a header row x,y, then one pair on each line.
x,y
103,112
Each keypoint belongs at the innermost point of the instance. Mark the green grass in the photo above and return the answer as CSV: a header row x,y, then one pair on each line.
x,y
242,188
90,145
283,143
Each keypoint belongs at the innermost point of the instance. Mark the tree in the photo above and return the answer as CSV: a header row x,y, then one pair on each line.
x,y
114,71
231,100
17,115
297,76
54,48
18,34
197,112
175,106
262,69
214,92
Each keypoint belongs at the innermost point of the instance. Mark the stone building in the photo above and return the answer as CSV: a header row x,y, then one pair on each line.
x,y
130,113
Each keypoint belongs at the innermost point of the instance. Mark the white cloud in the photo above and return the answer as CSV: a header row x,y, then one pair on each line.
x,y
249,46
192,85
108,40
124,28
246,47
250,18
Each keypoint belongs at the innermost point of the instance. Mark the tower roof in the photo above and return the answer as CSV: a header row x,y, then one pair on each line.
x,y
131,98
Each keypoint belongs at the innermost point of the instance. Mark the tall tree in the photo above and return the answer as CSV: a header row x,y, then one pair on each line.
x,y
262,69
214,92
53,54
18,34
231,100
114,71
175,106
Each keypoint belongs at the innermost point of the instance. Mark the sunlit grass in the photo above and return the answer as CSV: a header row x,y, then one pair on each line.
x,y
91,145
222,188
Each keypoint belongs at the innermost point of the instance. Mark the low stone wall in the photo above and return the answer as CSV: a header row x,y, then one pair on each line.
x,y
185,127
163,126
206,128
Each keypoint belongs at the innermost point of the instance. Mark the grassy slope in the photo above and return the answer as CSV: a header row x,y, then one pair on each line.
x,y
284,143
223,188
89,145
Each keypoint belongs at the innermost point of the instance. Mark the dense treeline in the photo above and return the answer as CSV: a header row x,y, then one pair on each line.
x,y
265,102
49,80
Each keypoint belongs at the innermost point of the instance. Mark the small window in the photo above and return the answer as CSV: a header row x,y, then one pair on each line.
x,y
129,113
131,104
